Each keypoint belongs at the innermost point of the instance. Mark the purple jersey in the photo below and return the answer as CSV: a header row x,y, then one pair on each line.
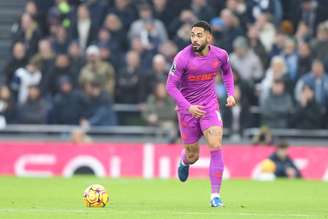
x,y
191,80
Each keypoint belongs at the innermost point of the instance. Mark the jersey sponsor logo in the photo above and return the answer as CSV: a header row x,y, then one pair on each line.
x,y
202,77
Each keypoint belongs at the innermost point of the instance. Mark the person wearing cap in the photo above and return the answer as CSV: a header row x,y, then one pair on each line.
x,y
97,70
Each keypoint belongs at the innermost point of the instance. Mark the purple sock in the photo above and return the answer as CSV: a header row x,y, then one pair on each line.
x,y
216,170
184,157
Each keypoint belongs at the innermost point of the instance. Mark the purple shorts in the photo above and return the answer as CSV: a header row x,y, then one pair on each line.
x,y
192,129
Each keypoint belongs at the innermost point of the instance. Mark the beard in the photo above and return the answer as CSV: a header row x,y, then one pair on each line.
x,y
199,48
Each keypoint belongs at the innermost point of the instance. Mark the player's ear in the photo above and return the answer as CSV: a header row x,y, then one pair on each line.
x,y
210,38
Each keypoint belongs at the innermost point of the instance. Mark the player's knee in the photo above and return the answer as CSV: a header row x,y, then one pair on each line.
x,y
214,145
192,158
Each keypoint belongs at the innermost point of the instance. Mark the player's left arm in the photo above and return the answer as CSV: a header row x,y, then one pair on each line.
x,y
227,77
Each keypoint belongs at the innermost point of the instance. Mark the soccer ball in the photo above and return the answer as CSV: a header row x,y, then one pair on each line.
x,y
95,196
268,166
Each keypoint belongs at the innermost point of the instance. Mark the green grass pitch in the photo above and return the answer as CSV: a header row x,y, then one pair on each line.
x,y
137,198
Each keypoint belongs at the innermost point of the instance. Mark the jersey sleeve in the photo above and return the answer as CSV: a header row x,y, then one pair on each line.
x,y
173,81
227,75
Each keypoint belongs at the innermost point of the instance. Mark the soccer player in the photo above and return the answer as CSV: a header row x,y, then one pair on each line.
x,y
191,83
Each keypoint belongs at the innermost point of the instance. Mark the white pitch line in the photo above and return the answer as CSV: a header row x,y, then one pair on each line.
x,y
109,210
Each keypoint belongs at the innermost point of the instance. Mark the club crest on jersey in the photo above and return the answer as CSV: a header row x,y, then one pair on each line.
x,y
215,63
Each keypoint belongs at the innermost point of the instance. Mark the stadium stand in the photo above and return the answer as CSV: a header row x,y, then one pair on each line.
x,y
94,64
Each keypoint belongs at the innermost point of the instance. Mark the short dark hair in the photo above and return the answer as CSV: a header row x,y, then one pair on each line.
x,y
282,144
203,24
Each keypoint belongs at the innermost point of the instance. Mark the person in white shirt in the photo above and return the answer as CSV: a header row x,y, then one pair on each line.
x,y
25,77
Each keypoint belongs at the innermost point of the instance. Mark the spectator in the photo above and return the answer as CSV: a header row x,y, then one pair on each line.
x,y
266,30
291,59
145,53
317,79
245,61
303,33
46,58
202,10
150,30
7,106
32,9
34,110
158,73
112,37
257,46
307,114
277,70
159,111
16,61
304,59
97,10
60,40
168,49
238,8
104,38
117,35
162,11
257,7
319,45
186,17
106,55
277,106
98,110
68,104
28,33
42,8
182,38
61,69
97,71
308,14
76,61
177,6
24,78
60,14
83,29
128,82
278,44
263,136
226,29
285,166
124,10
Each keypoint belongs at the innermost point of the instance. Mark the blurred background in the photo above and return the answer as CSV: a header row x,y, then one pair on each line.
x,y
93,72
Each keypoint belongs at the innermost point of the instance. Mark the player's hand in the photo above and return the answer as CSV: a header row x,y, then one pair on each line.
x,y
196,111
291,173
231,101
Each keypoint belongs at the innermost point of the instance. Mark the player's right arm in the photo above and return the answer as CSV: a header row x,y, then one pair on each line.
x,y
173,80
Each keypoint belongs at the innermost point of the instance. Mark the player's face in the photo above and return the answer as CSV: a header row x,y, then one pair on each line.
x,y
199,39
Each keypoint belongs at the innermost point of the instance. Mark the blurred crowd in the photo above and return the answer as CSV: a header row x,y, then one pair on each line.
x,y
71,60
